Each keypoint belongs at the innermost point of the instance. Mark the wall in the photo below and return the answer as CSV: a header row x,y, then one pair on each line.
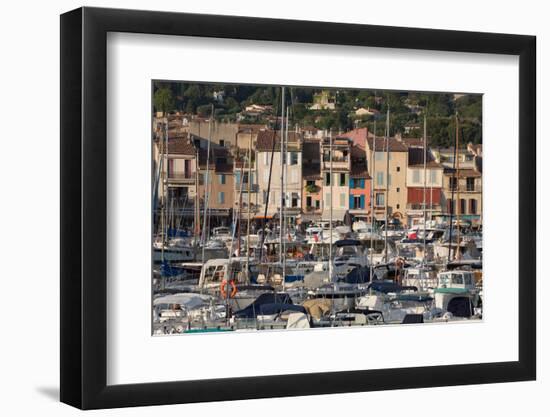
x,y
30,349
293,183
397,200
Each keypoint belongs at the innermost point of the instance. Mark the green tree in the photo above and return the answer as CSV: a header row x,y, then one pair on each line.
x,y
164,100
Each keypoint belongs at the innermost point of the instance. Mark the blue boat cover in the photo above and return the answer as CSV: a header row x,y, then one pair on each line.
x,y
358,275
388,286
347,242
267,298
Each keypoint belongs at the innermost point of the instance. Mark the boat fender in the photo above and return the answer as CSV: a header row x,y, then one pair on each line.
x,y
223,288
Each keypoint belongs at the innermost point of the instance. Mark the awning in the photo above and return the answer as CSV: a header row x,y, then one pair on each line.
x,y
336,215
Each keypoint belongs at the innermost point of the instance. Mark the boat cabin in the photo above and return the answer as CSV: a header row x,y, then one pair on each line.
x,y
217,270
457,279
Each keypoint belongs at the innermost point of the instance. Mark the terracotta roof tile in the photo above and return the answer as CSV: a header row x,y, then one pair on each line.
x,y
180,145
394,144
311,171
264,142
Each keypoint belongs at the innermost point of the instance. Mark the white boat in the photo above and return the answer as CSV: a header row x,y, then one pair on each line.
x,y
457,293
173,254
221,233
423,278
395,308
348,255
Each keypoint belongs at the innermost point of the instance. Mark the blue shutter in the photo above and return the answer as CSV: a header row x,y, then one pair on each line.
x,y
351,202
363,200
238,175
351,183
362,183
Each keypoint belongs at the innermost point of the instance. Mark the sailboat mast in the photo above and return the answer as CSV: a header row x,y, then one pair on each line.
x,y
249,204
458,205
372,219
207,182
453,206
284,175
282,201
164,193
424,192
330,207
387,184
197,205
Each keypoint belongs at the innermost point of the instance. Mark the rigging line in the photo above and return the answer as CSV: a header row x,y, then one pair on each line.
x,y
273,137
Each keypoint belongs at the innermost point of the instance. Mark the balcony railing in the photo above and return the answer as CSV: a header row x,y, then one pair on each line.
x,y
336,164
182,176
467,188
253,187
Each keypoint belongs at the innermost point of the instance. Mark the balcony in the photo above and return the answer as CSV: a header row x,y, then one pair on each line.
x,y
182,177
336,164
253,187
312,210
465,188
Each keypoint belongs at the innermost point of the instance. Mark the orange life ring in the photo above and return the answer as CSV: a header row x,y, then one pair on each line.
x,y
223,288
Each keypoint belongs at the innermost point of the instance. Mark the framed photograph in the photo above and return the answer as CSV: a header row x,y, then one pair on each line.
x,y
257,208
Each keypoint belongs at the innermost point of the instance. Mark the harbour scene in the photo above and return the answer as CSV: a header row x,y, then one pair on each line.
x,y
283,208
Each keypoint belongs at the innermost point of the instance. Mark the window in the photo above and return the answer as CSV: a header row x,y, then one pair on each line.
x,y
342,200
295,199
379,199
310,183
450,206
342,180
221,197
201,179
470,184
398,169
462,206
293,158
452,183
264,197
356,202
308,201
397,206
317,204
416,176
457,279
357,183
398,189
221,179
327,178
379,178
473,206
222,142
433,177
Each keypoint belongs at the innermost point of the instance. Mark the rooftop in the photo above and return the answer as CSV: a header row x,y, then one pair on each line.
x,y
264,142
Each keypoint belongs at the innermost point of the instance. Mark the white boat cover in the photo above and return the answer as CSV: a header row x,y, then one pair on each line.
x,y
185,300
297,321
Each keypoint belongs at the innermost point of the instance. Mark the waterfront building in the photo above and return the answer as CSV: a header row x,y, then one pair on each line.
x,y
415,182
336,187
312,181
396,194
292,155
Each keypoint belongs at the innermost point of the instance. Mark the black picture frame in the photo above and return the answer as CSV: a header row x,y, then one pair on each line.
x,y
84,207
